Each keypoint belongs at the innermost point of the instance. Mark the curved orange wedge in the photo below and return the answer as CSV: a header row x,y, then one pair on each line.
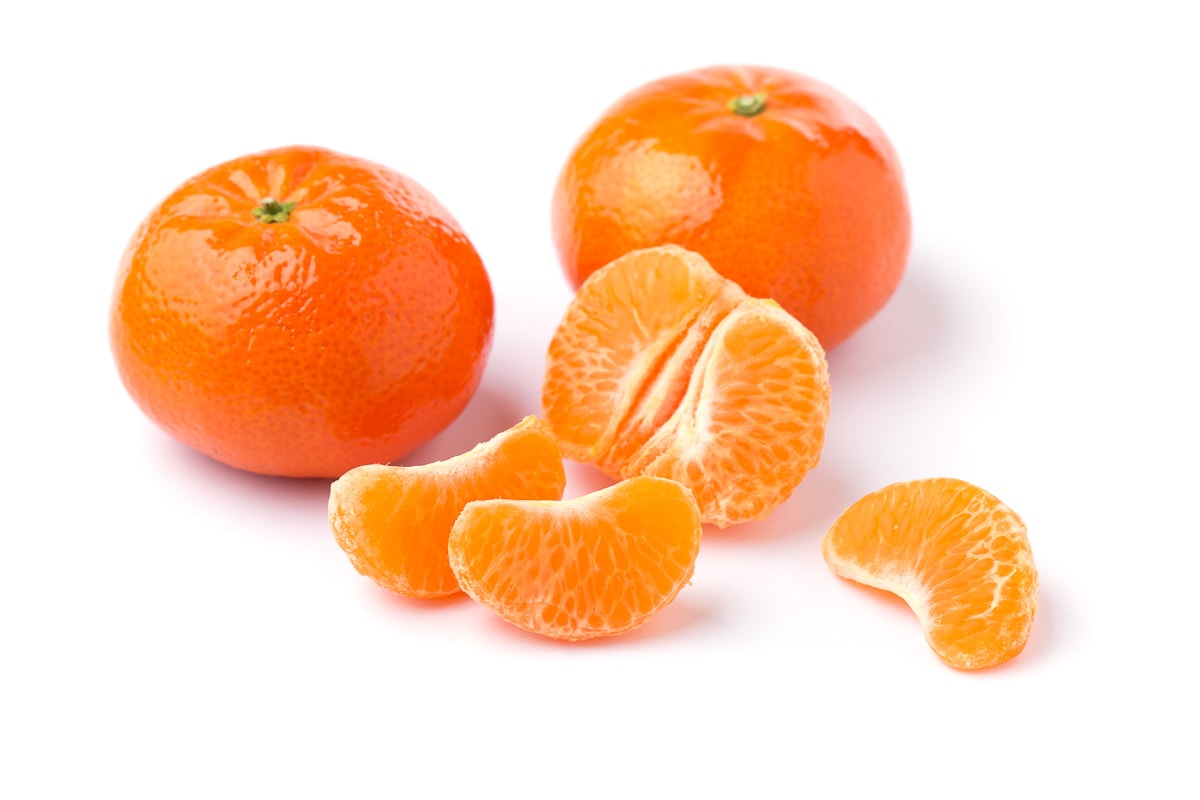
x,y
597,565
958,556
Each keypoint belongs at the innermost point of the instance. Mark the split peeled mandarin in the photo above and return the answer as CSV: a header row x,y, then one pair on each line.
x,y
393,522
299,312
662,367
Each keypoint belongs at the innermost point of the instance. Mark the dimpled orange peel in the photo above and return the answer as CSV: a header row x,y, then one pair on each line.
x,y
299,312
782,182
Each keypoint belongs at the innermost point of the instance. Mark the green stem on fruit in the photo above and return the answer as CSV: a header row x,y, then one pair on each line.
x,y
272,211
748,105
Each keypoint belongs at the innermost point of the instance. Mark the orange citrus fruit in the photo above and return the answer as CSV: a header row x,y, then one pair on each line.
x,y
300,312
597,565
394,521
783,183
662,367
958,556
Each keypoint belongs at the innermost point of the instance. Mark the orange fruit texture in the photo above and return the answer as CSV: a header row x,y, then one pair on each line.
x,y
957,555
662,367
299,312
783,183
596,565
393,522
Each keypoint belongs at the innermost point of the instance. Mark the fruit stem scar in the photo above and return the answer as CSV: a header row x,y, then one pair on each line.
x,y
748,105
271,211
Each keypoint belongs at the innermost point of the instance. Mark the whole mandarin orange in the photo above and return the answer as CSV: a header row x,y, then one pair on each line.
x,y
300,312
779,181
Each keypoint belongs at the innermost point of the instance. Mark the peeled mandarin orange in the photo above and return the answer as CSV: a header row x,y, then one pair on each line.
x,y
663,367
394,521
597,565
957,555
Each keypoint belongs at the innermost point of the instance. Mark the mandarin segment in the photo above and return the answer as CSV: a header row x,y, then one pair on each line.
x,y
662,367
598,565
958,556
393,522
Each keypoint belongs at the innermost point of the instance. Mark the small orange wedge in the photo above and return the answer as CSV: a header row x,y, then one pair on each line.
x,y
660,366
958,556
393,521
597,565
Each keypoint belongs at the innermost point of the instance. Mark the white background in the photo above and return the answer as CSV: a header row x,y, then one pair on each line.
x,y
172,627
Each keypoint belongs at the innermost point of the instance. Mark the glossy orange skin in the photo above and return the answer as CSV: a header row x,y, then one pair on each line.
x,y
803,202
348,334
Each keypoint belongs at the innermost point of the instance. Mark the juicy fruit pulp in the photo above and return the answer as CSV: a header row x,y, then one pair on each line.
x,y
958,556
394,522
662,367
780,181
598,565
299,312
